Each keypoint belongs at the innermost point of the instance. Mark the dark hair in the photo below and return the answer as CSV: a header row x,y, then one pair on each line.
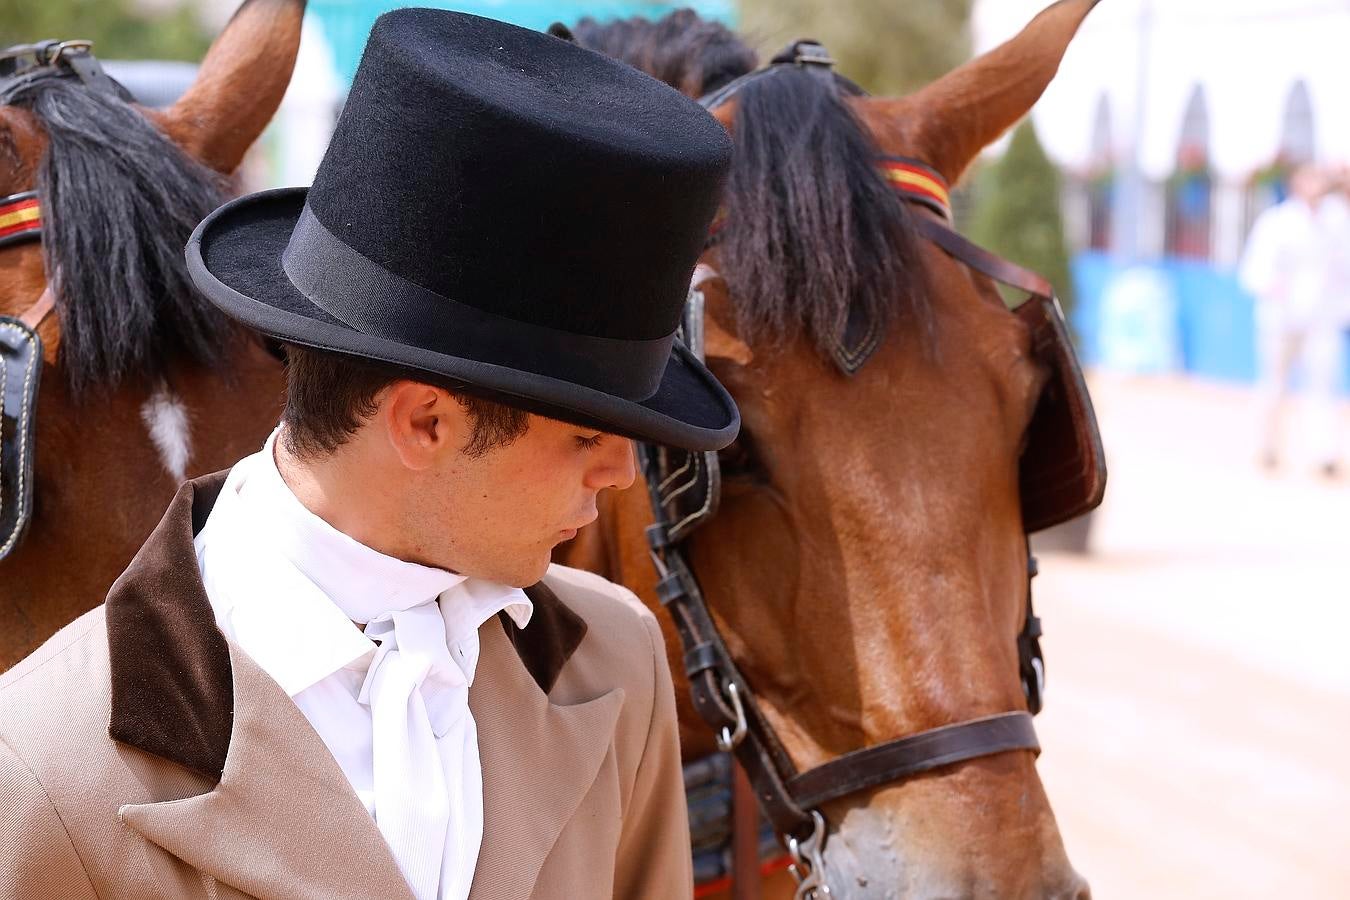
x,y
691,54
119,200
813,229
331,395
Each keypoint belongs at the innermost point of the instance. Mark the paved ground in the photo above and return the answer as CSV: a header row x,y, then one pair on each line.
x,y
1198,711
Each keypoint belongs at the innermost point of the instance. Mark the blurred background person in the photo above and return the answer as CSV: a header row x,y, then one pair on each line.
x,y
1297,265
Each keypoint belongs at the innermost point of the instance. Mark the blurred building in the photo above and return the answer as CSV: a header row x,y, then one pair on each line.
x,y
1176,123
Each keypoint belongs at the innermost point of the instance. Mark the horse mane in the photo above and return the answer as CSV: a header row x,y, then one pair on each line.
x,y
812,228
691,54
119,200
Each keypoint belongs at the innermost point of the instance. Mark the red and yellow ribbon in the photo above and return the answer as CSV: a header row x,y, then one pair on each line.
x,y
911,179
19,215
918,181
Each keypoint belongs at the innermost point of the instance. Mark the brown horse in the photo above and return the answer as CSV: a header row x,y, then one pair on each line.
x,y
143,384
867,566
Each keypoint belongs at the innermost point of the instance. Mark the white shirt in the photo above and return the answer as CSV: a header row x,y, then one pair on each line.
x,y
1297,264
286,587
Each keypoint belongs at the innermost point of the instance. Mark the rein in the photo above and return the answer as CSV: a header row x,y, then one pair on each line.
x,y
684,489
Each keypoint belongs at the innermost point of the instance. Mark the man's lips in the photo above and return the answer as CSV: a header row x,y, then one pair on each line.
x,y
569,533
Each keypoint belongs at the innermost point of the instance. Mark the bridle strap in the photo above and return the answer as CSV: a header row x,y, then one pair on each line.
x,y
21,222
802,55
36,314
982,261
912,755
721,695
23,65
20,218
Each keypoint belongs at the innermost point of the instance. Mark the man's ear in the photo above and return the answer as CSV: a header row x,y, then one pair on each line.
x,y
422,422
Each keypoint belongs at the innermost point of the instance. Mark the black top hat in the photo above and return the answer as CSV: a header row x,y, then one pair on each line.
x,y
500,209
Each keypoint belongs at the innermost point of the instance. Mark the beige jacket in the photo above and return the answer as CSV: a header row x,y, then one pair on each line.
x,y
143,756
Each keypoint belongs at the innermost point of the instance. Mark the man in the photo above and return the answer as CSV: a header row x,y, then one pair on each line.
x,y
346,668
1297,266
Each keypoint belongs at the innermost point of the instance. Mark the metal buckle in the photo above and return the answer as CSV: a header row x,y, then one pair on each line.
x,y
808,861
54,54
727,738
803,59
1037,667
45,53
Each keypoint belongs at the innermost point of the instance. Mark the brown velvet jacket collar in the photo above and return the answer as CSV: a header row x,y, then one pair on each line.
x,y
172,685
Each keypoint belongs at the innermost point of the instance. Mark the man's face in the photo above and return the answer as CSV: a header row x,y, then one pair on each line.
x,y
499,515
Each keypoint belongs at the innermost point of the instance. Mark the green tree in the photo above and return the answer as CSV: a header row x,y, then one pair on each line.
x,y
1017,211
889,47
118,28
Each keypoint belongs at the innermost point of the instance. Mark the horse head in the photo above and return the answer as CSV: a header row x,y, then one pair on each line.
x,y
867,567
142,382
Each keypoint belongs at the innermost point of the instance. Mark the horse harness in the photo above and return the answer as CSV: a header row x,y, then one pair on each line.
x,y
20,344
1062,476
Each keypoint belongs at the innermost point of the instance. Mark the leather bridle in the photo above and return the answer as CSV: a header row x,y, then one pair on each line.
x,y
684,490
21,222
21,350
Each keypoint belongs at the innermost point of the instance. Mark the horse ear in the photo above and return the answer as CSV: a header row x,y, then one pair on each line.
x,y
960,114
239,85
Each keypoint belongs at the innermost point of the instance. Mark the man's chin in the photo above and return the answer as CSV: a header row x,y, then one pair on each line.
x,y
528,575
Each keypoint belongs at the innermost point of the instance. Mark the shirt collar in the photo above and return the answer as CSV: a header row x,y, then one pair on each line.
x,y
359,580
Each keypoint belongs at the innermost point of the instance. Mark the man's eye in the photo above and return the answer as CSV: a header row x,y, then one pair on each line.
x,y
590,443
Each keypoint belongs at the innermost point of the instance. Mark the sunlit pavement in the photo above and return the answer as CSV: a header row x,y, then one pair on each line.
x,y
1198,707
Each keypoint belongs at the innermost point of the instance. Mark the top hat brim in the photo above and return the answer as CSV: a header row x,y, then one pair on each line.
x,y
235,258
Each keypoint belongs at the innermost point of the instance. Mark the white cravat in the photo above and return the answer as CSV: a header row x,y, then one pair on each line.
x,y
391,703
412,806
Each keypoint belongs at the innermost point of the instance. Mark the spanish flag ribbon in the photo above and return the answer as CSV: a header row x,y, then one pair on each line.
x,y
20,217
918,182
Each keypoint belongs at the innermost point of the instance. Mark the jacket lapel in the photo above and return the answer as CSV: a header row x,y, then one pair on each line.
x,y
283,821
539,761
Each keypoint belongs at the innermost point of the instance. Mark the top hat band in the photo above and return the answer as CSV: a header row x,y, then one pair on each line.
x,y
368,297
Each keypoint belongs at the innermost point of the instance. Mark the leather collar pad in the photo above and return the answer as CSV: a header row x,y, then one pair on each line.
x,y
20,368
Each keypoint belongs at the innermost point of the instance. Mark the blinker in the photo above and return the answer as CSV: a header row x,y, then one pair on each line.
x,y
20,369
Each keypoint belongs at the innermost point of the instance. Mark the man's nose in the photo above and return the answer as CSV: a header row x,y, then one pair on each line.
x,y
626,468
615,467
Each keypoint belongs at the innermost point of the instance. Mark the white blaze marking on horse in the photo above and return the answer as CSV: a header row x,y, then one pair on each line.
x,y
166,419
